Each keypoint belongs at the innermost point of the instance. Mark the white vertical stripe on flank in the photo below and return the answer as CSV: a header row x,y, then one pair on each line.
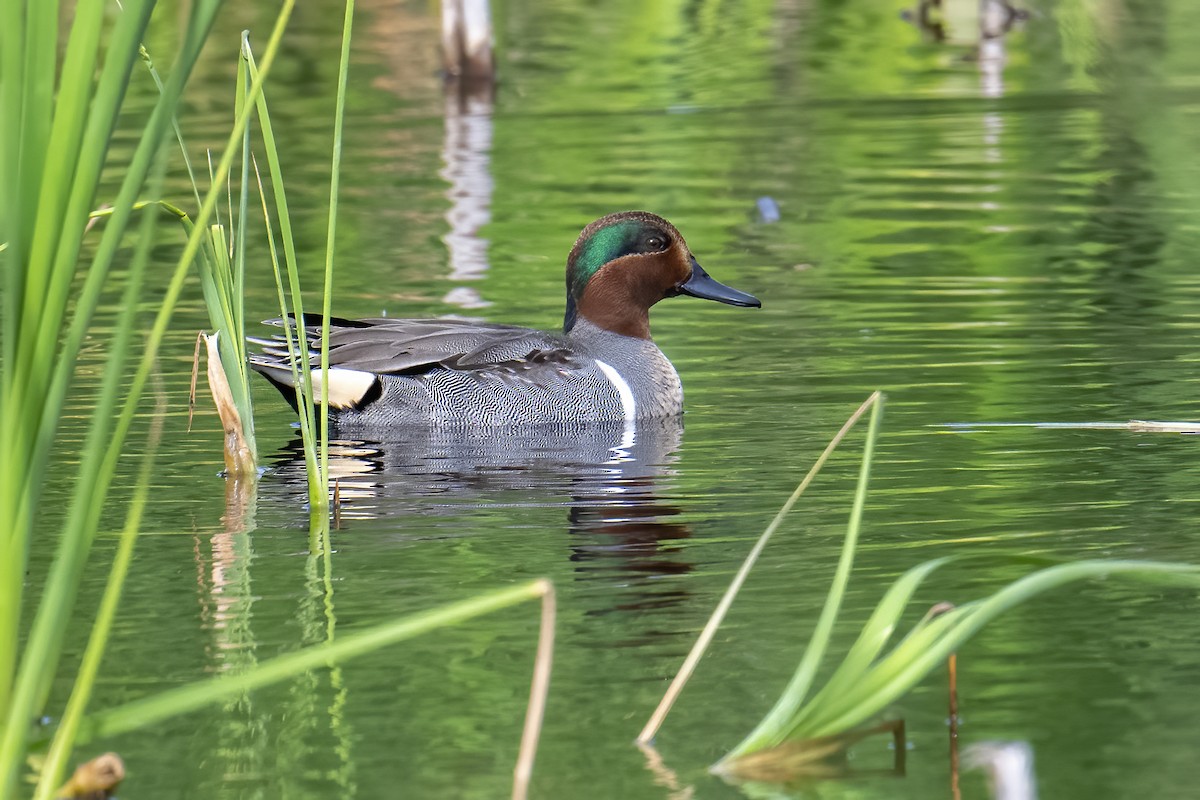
x,y
628,404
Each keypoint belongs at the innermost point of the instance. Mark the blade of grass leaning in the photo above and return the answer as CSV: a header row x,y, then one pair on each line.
x,y
171,703
714,622
860,695
769,731
922,637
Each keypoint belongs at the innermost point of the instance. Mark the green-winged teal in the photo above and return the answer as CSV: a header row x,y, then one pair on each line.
x,y
604,366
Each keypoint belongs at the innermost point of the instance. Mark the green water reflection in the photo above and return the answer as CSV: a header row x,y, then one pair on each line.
x,y
1005,243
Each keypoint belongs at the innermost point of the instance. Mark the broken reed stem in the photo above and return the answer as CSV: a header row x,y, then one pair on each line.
x,y
239,457
98,778
538,690
718,615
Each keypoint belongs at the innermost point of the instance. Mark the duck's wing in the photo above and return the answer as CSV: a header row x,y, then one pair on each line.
x,y
412,347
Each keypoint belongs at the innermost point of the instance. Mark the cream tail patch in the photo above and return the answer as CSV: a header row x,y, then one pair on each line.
x,y
347,387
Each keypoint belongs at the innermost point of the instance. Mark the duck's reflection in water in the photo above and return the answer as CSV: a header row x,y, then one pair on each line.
x,y
610,479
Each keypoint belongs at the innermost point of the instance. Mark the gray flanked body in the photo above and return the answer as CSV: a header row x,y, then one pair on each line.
x,y
385,373
458,372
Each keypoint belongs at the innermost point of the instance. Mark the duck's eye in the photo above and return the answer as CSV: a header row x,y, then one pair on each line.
x,y
654,243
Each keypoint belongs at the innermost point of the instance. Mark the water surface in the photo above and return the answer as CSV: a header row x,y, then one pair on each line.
x,y
985,240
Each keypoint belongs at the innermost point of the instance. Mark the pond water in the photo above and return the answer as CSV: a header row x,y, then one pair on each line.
x,y
995,235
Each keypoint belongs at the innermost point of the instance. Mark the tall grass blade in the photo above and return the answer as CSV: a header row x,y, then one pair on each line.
x,y
867,683
61,745
871,641
36,384
291,301
331,236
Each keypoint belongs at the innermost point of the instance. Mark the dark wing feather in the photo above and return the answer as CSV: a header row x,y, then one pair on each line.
x,y
413,346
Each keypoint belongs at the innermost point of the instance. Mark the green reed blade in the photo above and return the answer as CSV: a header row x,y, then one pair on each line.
x,y
870,643
718,615
295,346
25,433
37,108
45,641
294,335
296,339
183,151
854,700
237,337
854,695
331,236
901,674
60,750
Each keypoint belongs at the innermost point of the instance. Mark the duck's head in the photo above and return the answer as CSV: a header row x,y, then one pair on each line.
x,y
624,263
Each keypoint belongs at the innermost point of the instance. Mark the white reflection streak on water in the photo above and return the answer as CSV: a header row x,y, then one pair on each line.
x,y
467,158
992,58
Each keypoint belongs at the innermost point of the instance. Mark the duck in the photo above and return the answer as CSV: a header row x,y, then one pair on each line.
x,y
603,367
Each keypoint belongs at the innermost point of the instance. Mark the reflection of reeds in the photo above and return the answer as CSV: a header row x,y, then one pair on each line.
x,y
811,724
171,703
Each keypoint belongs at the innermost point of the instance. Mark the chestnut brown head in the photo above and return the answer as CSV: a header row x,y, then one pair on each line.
x,y
624,263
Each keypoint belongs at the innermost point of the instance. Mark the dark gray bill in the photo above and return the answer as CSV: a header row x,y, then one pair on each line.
x,y
701,285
